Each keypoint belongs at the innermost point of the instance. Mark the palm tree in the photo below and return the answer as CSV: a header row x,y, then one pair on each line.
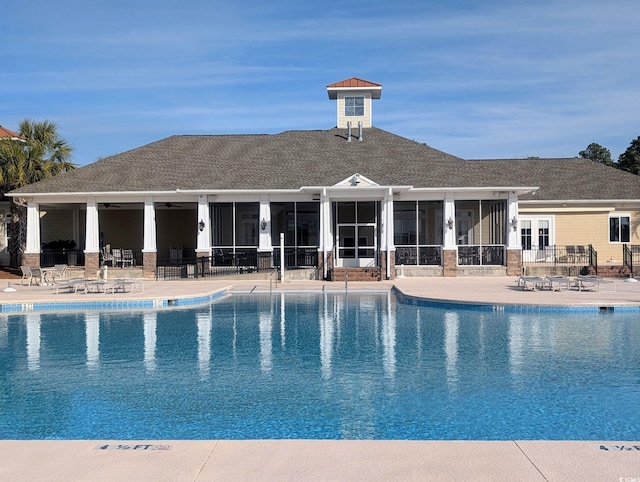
x,y
41,153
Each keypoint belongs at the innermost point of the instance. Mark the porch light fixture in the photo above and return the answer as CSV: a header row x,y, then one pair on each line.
x,y
201,225
450,222
514,223
263,224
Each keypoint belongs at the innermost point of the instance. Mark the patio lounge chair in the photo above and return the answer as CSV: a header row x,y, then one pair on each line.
x,y
120,285
532,283
559,283
72,285
26,275
593,283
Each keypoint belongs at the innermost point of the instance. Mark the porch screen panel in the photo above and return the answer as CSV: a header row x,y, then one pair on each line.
x,y
283,221
366,212
404,222
430,222
308,224
222,222
494,229
346,212
247,224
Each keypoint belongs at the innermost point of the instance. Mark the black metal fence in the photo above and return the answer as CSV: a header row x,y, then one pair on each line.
x,y
482,255
421,255
297,258
581,256
180,263
71,257
631,257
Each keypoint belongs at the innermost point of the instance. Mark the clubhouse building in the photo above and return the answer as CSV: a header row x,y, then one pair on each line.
x,y
353,197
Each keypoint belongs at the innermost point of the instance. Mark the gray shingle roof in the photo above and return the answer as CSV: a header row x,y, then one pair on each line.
x,y
293,159
567,179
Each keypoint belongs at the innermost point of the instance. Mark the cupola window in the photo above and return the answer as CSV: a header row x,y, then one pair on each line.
x,y
354,106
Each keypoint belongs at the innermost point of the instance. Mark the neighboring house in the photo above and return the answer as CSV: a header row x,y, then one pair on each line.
x,y
353,196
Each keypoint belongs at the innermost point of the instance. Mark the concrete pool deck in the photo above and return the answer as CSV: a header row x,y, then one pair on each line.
x,y
85,460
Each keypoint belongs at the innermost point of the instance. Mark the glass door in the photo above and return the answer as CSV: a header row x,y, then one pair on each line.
x,y
356,234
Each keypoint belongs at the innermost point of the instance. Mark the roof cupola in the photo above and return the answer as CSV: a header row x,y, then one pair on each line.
x,y
353,98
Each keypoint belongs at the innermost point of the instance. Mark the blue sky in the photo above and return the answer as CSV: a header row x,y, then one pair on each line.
x,y
477,79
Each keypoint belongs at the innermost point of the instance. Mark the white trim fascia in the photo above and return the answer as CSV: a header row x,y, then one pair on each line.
x,y
518,189
338,187
578,201
376,91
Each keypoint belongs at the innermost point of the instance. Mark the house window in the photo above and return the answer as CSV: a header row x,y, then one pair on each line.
x,y
354,106
525,234
619,231
543,233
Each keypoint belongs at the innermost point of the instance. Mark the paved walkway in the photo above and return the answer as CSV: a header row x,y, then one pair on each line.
x,y
89,460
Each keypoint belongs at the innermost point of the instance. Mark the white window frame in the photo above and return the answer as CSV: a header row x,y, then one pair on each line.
x,y
354,106
619,215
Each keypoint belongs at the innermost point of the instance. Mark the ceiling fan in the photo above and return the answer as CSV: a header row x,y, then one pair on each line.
x,y
110,205
171,205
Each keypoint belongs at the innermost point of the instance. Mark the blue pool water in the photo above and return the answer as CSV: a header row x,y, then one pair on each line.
x,y
319,366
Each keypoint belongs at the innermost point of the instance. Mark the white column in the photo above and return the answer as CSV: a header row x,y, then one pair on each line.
x,y
449,214
33,228
388,228
513,240
150,245
204,236
92,227
326,239
264,238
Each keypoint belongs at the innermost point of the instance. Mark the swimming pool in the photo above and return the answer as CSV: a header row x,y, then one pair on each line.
x,y
329,366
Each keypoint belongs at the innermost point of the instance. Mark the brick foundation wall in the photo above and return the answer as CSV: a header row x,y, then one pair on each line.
x,y
149,263
356,274
613,271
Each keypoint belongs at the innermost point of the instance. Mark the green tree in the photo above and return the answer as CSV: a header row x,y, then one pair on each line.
x,y
597,153
41,154
629,160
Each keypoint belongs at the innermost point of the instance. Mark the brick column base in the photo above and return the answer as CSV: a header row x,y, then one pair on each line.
x,y
329,264
514,262
31,259
392,265
91,264
450,262
149,263
203,261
